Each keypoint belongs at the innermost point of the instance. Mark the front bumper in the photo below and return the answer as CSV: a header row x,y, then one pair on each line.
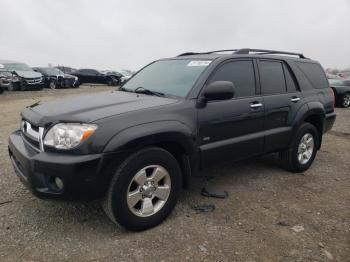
x,y
84,176
25,86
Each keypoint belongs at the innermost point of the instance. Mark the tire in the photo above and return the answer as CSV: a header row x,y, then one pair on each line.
x,y
53,84
12,87
1,90
345,100
131,214
290,158
109,81
77,84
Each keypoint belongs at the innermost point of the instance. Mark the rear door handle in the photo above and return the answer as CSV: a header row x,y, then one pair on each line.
x,y
295,99
256,105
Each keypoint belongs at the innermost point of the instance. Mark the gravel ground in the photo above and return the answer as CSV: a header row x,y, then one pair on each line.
x,y
270,214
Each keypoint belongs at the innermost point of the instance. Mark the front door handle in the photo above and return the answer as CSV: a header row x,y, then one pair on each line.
x,y
295,99
256,105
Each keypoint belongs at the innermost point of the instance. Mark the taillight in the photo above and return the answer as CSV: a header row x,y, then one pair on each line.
x,y
333,97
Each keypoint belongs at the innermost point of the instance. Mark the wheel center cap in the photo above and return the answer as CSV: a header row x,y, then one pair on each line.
x,y
148,190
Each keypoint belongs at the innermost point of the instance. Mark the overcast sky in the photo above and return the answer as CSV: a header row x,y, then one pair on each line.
x,y
110,34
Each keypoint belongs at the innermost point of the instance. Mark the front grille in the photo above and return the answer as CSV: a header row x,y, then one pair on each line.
x,y
32,134
33,81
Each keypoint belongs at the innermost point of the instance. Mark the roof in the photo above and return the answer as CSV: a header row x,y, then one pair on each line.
x,y
246,52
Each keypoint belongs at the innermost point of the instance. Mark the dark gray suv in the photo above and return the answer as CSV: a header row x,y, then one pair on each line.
x,y
137,147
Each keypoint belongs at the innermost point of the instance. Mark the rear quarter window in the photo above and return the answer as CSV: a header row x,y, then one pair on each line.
x,y
314,73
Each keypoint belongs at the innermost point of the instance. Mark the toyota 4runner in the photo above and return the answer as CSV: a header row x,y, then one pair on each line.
x,y
137,147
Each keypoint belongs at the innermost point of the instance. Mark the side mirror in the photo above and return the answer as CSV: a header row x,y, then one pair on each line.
x,y
219,90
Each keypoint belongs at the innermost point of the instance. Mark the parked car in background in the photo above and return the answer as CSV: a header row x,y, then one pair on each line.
x,y
5,79
341,88
93,76
331,76
126,75
136,148
23,77
55,78
114,74
345,74
66,70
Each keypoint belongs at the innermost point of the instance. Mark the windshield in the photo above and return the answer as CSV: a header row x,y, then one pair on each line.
x,y
17,67
171,77
51,71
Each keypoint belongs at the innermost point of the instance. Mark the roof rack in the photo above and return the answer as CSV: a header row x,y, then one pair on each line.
x,y
247,51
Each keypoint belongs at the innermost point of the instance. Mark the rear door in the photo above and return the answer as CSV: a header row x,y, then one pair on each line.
x,y
282,99
232,129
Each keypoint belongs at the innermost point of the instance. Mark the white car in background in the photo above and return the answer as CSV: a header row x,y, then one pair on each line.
x,y
126,75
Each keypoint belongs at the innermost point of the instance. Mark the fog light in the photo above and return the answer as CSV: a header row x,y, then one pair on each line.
x,y
59,183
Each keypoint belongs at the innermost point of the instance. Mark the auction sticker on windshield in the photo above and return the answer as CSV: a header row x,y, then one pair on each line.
x,y
198,63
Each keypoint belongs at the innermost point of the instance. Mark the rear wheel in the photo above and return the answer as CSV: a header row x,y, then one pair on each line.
x,y
144,189
345,100
302,152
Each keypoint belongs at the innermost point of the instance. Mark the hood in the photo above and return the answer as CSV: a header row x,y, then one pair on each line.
x,y
28,74
90,108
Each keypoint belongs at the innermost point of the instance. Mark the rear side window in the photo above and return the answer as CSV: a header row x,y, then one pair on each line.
x,y
314,73
241,74
272,77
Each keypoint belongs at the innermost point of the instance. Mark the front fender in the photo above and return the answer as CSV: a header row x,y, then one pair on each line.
x,y
152,133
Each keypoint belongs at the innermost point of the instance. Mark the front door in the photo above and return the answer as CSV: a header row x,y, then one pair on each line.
x,y
232,129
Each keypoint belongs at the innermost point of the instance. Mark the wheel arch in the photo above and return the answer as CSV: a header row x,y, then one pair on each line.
x,y
314,114
173,136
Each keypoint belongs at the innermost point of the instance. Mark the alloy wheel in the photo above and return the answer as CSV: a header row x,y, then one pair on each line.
x,y
306,148
148,191
346,100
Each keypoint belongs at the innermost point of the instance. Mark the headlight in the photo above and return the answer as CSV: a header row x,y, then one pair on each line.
x,y
68,136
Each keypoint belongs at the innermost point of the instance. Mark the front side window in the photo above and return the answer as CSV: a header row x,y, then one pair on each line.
x,y
241,74
272,77
171,77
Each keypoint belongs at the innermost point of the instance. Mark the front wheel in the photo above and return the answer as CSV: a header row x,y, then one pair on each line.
x,y
53,84
302,152
109,81
12,87
144,189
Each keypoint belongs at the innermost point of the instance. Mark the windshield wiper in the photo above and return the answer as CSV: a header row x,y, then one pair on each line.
x,y
142,90
125,90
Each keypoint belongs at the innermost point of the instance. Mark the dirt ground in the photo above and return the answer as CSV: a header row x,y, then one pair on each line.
x,y
255,223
